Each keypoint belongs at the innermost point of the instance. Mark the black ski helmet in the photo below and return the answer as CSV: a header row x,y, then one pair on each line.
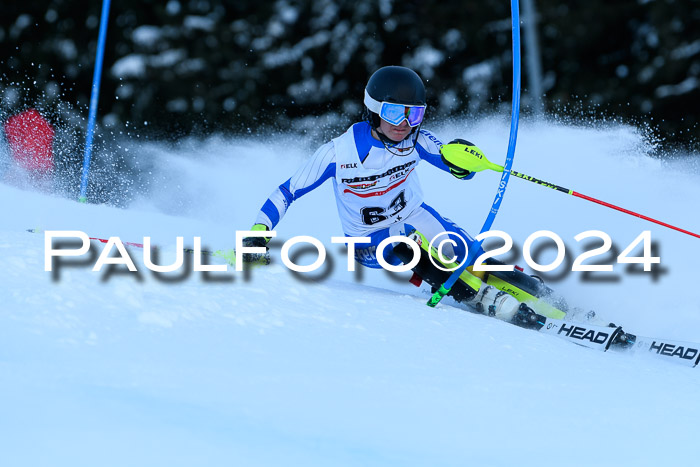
x,y
395,84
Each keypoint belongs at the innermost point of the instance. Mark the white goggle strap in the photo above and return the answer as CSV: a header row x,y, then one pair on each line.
x,y
372,104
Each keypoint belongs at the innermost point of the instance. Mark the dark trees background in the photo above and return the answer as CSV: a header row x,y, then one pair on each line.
x,y
180,67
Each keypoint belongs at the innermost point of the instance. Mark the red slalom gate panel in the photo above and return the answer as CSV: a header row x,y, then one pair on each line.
x,y
30,138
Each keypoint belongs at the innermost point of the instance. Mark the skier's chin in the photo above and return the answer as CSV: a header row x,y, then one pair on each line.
x,y
396,138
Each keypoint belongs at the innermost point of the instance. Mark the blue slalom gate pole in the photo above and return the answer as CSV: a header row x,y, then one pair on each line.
x,y
515,116
94,98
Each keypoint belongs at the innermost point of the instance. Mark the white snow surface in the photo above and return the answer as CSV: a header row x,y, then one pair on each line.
x,y
116,369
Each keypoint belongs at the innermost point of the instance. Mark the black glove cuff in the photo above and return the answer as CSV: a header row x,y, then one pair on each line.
x,y
461,141
459,173
254,242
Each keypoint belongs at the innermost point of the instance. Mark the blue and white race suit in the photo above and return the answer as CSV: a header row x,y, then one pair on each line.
x,y
377,192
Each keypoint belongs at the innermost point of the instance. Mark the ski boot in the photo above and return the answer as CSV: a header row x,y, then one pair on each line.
x,y
527,318
494,302
524,288
501,305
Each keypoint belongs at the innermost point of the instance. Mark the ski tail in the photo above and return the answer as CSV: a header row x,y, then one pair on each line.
x,y
685,353
615,338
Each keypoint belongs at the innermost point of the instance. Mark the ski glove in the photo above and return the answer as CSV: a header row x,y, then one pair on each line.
x,y
459,173
460,156
257,258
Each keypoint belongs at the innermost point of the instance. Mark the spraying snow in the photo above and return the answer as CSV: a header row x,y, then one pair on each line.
x,y
274,368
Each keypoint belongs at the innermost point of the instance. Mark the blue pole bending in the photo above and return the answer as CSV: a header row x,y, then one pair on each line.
x,y
94,98
515,115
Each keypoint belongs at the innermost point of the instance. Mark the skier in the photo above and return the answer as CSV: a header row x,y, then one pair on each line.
x,y
378,195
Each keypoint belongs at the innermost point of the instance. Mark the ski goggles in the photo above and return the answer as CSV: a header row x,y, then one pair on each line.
x,y
396,113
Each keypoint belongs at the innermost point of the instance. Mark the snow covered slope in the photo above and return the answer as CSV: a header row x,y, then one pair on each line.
x,y
118,368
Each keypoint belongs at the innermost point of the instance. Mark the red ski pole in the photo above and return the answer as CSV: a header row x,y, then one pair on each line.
x,y
602,203
476,163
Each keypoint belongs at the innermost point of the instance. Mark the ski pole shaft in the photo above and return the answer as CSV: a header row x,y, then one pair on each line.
x,y
539,182
140,245
479,163
602,203
226,254
636,214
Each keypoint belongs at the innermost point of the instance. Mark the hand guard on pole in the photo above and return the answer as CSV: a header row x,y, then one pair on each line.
x,y
462,157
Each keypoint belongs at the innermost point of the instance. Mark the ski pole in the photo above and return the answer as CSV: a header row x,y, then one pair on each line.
x,y
476,163
227,255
